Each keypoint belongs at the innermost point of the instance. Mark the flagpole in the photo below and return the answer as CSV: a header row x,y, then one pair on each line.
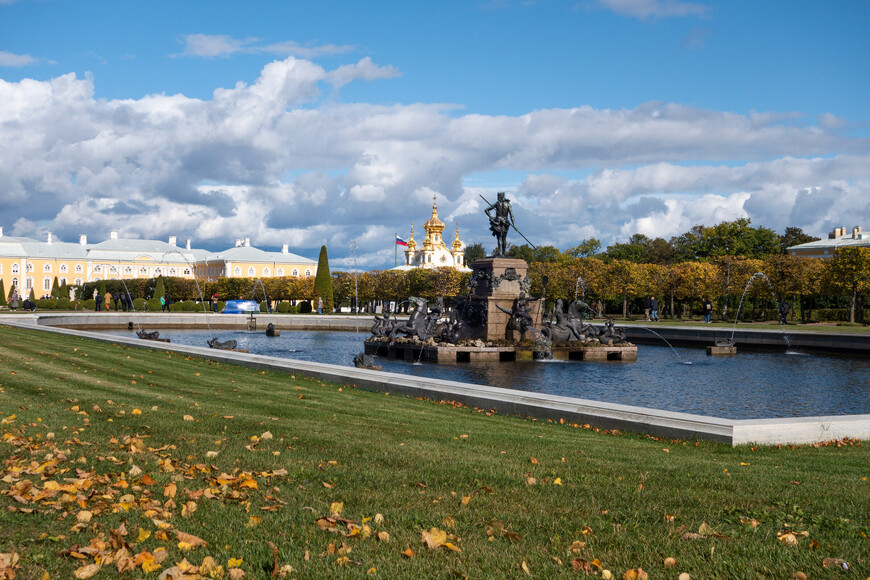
x,y
396,250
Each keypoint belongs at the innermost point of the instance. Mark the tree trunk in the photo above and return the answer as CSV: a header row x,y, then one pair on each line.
x,y
854,304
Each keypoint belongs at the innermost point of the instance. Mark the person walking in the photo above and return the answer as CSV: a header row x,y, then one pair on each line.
x,y
214,301
653,309
98,302
646,307
319,305
708,309
13,300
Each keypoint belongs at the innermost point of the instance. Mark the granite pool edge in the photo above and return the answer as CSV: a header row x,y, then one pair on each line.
x,y
657,422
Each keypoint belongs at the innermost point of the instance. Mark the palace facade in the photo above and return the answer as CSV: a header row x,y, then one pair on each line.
x,y
433,252
27,264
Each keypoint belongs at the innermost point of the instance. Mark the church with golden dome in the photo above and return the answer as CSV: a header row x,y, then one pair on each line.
x,y
433,252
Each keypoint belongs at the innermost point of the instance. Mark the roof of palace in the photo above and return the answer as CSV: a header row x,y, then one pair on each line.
x,y
252,254
834,243
127,249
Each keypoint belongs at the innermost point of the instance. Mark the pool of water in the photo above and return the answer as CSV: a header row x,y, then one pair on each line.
x,y
747,386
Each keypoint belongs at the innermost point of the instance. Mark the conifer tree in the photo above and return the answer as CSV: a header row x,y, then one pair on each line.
x,y
55,289
159,288
2,293
323,281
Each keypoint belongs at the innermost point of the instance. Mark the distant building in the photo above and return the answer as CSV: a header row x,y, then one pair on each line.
x,y
433,252
27,264
827,248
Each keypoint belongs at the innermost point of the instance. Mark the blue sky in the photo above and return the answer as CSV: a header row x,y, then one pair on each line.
x,y
324,122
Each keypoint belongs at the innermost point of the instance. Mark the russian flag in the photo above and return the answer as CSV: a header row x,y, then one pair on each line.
x,y
400,241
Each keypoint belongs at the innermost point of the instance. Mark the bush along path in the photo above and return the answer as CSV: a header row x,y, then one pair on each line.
x,y
136,463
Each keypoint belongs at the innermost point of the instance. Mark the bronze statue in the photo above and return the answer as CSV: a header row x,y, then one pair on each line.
x,y
501,222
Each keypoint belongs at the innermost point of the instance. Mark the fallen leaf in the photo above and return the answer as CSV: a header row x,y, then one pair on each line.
x,y
523,565
190,539
187,418
87,571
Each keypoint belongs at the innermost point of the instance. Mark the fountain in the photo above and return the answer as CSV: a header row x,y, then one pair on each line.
x,y
727,346
497,320
581,284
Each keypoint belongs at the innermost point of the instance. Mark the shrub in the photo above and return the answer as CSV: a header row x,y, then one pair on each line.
x,y
89,304
46,303
305,307
264,306
153,305
176,307
63,304
283,307
221,305
139,303
190,306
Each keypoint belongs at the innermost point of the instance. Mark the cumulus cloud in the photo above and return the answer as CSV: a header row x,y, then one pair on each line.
x,y
655,8
276,161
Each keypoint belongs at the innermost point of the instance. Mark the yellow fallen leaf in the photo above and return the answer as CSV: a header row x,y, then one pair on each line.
x,y
84,572
143,535
234,562
466,499
84,516
336,507
170,490
188,418
557,481
253,521
525,566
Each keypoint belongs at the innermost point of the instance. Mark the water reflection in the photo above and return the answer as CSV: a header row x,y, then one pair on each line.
x,y
747,386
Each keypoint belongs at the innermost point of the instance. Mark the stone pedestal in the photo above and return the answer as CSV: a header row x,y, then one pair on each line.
x,y
498,281
721,350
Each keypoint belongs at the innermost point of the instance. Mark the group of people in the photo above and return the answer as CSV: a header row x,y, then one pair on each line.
x,y
122,301
26,304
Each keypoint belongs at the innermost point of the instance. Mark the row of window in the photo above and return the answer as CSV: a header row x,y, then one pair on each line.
x,y
155,271
46,283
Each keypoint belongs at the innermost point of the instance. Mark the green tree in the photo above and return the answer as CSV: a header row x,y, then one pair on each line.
x,y
2,293
792,237
55,288
159,288
849,273
64,289
687,246
323,281
32,296
474,252
523,252
739,238
636,250
585,249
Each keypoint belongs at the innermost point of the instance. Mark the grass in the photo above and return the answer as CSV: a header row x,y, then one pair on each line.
x,y
122,425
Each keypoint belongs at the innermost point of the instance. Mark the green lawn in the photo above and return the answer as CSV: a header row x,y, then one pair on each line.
x,y
110,454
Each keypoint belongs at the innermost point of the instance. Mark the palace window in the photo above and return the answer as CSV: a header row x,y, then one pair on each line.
x,y
266,272
295,272
46,268
78,282
15,282
14,268
279,272
128,270
143,270
28,284
308,273
29,266
98,268
62,281
251,271
46,284
79,269
63,269
157,271
186,272
172,271
237,271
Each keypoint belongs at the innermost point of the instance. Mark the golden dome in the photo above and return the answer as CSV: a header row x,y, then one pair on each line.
x,y
433,224
411,243
457,245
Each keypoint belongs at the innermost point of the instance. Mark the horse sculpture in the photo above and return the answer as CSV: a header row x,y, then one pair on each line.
x,y
417,323
148,335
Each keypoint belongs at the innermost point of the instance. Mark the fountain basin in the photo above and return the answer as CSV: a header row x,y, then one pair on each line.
x,y
411,351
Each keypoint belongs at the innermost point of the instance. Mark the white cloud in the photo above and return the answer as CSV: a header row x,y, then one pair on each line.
x,y
655,8
15,60
275,161
222,45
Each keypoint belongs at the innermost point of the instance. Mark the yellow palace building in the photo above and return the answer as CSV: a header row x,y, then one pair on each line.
x,y
28,264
